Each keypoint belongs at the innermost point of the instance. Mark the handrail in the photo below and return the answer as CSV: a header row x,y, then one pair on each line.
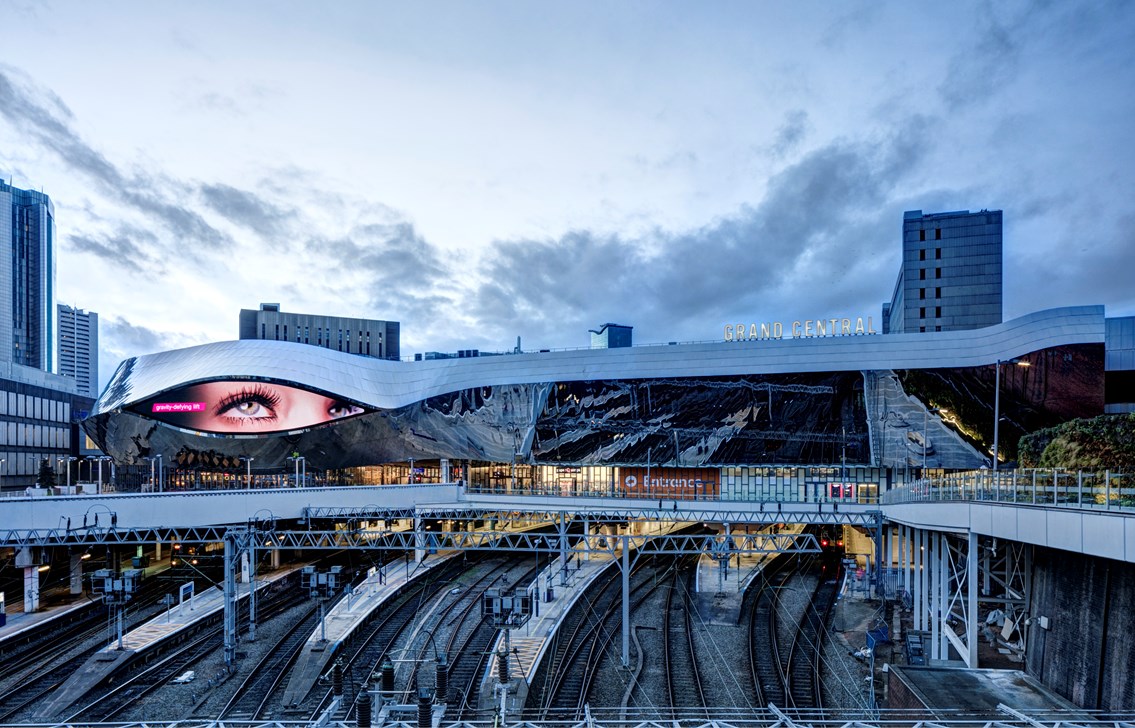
x,y
1089,489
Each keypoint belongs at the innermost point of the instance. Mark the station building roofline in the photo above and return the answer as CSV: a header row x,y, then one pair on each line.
x,y
390,384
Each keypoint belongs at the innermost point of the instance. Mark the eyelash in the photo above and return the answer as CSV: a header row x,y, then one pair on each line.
x,y
258,395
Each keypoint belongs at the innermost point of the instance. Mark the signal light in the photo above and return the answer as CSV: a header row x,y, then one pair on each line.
x,y
839,542
824,542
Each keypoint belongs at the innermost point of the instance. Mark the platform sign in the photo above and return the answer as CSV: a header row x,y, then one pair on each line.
x,y
185,593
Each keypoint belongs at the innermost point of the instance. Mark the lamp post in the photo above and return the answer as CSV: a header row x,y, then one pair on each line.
x,y
997,406
100,459
248,476
161,475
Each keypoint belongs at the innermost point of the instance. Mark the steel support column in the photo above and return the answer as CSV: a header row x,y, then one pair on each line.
x,y
971,599
230,601
626,601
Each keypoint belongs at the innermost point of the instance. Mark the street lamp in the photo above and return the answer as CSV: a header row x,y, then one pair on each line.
x,y
997,405
100,460
248,476
161,476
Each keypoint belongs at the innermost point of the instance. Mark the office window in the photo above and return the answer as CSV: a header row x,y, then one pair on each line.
x,y
922,235
937,233
263,335
922,274
937,292
937,254
922,254
937,272
937,328
922,312
277,332
922,329
937,312
922,293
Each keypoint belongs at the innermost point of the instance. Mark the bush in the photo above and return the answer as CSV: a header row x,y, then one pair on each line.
x,y
1096,443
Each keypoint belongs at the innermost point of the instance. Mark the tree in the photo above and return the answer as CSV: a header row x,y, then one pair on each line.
x,y
46,477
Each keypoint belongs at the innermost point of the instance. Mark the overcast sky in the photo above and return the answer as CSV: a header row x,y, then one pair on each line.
x,y
480,171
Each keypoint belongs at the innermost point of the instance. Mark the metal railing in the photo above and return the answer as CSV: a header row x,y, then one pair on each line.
x,y
1092,489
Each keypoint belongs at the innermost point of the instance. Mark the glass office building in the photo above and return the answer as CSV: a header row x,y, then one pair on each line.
x,y
27,277
951,274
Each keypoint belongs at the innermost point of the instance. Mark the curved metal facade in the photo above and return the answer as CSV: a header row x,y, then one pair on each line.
x,y
777,401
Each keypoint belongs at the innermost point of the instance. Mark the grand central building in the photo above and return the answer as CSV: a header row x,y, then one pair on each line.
x,y
774,410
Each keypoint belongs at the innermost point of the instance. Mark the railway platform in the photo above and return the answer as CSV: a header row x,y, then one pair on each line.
x,y
168,625
351,611
355,609
60,606
554,592
19,621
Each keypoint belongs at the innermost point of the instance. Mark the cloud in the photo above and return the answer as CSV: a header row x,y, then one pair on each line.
x,y
120,339
791,133
41,115
391,256
247,209
814,235
977,72
121,248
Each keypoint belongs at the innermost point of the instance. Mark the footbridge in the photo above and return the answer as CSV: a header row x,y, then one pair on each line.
x,y
957,551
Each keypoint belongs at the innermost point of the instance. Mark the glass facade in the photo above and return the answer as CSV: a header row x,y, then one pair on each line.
x,y
27,229
951,275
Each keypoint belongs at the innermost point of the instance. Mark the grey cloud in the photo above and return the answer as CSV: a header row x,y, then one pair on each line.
x,y
392,255
247,209
826,221
44,117
788,137
121,336
120,339
406,278
977,71
120,248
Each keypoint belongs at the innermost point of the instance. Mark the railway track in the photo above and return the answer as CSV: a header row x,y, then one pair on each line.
x,y
377,641
251,696
591,629
54,659
143,679
683,679
764,659
468,646
804,661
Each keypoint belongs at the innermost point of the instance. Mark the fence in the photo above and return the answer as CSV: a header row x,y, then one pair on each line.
x,y
1105,489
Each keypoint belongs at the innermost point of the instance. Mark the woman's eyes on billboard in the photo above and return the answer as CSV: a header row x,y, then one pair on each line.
x,y
231,406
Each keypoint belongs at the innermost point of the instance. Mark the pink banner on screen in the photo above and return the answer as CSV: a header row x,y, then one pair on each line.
x,y
179,407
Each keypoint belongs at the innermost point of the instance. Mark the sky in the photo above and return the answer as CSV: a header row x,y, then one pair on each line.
x,y
492,170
